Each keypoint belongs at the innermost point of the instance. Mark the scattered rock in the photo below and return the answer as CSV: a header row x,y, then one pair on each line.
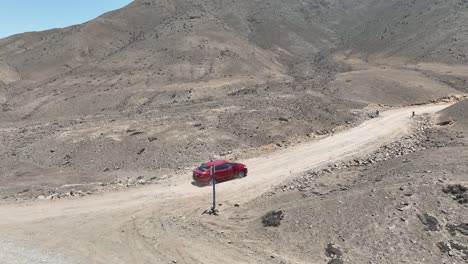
x,y
461,228
136,133
373,114
272,218
23,191
444,247
52,196
152,179
454,248
445,123
283,119
141,151
141,181
151,139
237,205
225,153
430,221
212,211
41,197
419,140
333,251
458,192
455,189
403,206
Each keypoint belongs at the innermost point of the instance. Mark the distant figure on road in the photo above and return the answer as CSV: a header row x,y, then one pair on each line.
x,y
377,113
414,114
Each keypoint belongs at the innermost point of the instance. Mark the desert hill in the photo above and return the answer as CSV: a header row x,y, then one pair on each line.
x,y
196,48
102,123
157,81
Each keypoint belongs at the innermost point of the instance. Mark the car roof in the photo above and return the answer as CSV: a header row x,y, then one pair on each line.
x,y
215,162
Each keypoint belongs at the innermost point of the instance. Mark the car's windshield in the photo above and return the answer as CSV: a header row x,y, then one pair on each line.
x,y
204,167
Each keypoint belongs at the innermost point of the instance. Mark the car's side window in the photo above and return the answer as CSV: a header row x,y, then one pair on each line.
x,y
223,167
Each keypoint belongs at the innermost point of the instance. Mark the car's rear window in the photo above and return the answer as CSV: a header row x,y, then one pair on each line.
x,y
204,167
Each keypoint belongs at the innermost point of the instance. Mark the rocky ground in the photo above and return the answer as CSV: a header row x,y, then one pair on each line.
x,y
373,208
403,203
111,172
139,96
87,154
406,203
167,85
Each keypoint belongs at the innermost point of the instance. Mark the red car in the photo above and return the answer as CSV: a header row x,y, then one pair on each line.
x,y
224,171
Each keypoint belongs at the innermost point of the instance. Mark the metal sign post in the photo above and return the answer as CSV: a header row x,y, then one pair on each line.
x,y
213,179
213,210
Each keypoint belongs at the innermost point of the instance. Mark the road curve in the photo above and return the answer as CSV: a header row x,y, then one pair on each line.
x,y
17,222
264,172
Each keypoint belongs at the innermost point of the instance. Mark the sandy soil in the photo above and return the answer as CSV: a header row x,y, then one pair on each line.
x,y
133,226
127,93
101,123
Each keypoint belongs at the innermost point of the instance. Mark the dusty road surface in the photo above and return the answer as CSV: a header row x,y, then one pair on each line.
x,y
134,226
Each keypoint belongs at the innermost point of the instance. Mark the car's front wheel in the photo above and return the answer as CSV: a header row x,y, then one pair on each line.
x,y
241,174
210,182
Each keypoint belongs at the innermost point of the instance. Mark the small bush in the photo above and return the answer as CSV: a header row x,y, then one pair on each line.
x,y
272,218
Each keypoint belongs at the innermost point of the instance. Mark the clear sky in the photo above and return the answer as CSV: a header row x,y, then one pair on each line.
x,y
18,16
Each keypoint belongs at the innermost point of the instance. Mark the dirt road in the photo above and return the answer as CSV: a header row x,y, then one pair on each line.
x,y
134,226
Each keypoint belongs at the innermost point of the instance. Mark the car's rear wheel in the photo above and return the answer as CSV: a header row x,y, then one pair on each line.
x,y
210,182
241,174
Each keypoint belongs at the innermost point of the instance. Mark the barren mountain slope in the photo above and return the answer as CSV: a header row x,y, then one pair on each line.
x,y
141,95
158,46
161,85
414,31
457,113
179,47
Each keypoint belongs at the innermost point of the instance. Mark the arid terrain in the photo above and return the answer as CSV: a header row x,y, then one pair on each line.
x,y
101,124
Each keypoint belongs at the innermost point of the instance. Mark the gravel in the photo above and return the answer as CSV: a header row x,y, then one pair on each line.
x,y
16,253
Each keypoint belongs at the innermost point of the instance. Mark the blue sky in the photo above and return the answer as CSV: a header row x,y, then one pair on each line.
x,y
18,16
